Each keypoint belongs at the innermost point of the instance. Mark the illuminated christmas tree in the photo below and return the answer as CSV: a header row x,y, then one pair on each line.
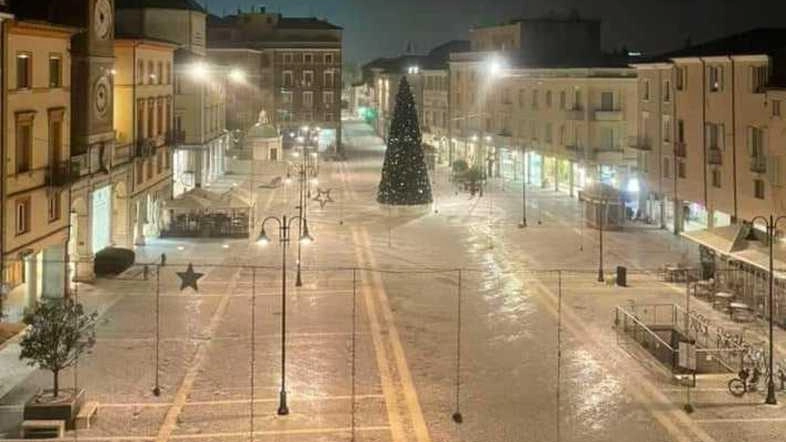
x,y
405,180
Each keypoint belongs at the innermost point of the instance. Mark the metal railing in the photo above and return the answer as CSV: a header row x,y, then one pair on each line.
x,y
639,143
759,164
718,350
680,149
631,325
714,156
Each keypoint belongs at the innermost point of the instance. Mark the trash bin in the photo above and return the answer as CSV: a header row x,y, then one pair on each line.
x,y
622,276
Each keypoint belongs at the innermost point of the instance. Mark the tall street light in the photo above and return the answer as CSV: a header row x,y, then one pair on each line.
x,y
603,203
306,173
771,224
523,222
284,232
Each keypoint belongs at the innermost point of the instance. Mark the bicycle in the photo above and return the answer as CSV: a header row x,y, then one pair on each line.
x,y
745,381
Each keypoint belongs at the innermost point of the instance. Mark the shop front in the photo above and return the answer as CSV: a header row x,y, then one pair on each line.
x,y
101,220
510,163
534,168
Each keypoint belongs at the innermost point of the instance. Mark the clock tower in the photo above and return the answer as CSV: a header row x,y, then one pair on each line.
x,y
92,78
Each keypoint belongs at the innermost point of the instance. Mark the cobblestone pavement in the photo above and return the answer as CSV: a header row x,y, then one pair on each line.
x,y
373,334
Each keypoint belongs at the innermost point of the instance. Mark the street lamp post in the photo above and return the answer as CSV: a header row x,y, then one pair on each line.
x,y
285,227
304,171
771,225
523,222
600,234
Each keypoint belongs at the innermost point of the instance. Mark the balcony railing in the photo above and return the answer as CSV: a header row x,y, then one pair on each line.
x,y
145,147
608,115
639,143
63,173
608,155
576,114
680,149
176,137
576,151
122,153
759,164
714,156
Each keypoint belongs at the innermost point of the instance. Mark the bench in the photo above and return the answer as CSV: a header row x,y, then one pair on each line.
x,y
87,412
37,429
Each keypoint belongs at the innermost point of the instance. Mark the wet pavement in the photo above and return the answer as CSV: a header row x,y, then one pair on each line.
x,y
375,347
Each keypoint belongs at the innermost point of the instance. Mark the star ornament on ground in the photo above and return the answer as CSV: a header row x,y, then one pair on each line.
x,y
189,278
323,197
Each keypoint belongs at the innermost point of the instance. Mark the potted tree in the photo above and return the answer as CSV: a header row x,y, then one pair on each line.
x,y
60,331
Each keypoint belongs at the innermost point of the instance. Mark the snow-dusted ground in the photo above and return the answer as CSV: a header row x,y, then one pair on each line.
x,y
517,381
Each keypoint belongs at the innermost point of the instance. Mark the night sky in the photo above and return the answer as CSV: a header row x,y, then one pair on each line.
x,y
374,28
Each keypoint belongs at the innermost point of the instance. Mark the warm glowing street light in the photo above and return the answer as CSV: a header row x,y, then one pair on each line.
x,y
237,75
198,70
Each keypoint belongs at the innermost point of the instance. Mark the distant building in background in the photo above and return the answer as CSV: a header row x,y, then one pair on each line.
x,y
426,74
538,99
199,129
298,74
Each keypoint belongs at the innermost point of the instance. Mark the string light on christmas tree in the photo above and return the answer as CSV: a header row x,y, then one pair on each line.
x,y
405,179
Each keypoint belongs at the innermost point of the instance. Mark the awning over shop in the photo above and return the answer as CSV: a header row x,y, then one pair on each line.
x,y
721,239
735,242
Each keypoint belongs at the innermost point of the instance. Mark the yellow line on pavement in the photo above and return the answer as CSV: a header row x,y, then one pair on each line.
x,y
303,431
388,390
741,420
666,413
181,397
408,386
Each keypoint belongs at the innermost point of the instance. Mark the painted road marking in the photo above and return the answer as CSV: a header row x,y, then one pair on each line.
x,y
388,390
410,395
408,386
304,431
741,420
646,390
181,397
224,402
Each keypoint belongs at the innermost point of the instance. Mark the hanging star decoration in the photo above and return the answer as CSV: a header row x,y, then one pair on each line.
x,y
323,197
189,278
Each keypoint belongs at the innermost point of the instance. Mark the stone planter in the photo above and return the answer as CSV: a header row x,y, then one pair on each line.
x,y
65,407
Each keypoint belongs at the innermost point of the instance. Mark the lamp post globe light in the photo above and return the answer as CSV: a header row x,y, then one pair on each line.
x,y
307,175
284,232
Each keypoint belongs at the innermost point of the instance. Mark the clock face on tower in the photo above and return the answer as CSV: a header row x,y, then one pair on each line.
x,y
102,22
102,97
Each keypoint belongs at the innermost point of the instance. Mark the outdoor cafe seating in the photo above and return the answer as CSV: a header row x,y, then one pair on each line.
x,y
200,213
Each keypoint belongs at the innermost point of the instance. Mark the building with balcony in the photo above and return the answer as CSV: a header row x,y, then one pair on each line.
x,y
299,66
521,108
384,76
710,111
428,80
96,171
144,125
35,196
199,132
